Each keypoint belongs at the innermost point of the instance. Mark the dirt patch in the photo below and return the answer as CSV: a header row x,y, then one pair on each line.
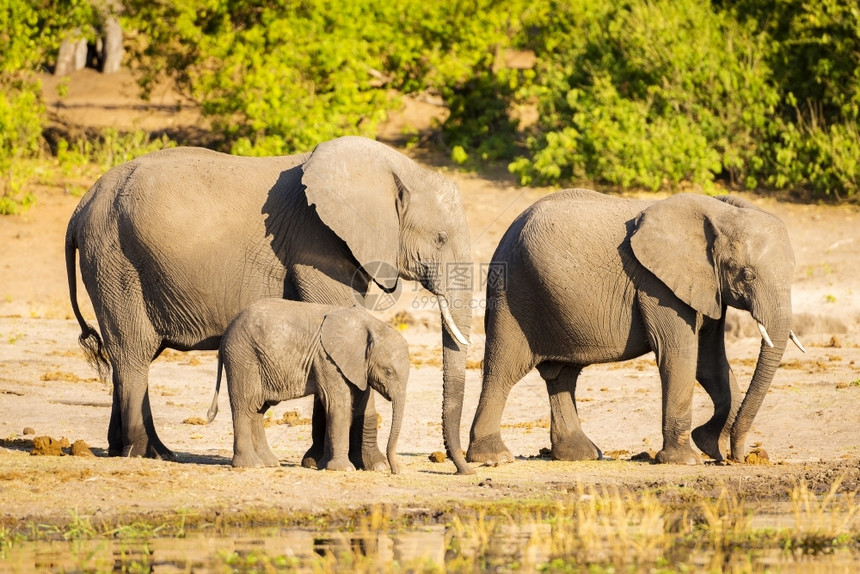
x,y
807,427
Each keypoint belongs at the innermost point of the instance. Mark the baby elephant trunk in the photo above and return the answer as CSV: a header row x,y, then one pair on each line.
x,y
397,405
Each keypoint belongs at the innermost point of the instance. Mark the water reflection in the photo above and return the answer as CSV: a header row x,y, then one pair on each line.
x,y
524,548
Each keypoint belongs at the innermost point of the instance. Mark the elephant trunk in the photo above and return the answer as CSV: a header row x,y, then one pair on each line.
x,y
457,307
775,335
397,406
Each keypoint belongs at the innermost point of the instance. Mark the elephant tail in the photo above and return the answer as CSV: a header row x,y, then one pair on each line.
x,y
213,408
90,340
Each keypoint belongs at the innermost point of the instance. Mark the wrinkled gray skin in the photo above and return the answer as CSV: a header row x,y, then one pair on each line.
x,y
276,350
176,243
588,278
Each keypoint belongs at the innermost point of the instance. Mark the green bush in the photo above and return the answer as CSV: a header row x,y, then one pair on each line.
x,y
274,78
21,113
814,63
279,78
30,30
638,93
645,94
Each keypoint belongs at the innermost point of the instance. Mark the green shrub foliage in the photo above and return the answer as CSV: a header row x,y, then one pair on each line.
x,y
278,77
652,94
645,94
30,31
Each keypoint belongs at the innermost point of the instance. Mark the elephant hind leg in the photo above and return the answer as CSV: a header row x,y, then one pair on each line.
x,y
131,344
261,444
677,374
501,373
568,440
131,431
245,431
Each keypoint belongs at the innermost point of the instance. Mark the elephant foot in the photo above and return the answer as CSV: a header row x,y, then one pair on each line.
x,y
709,442
115,447
312,458
575,448
268,459
489,450
247,460
678,454
370,459
146,449
340,464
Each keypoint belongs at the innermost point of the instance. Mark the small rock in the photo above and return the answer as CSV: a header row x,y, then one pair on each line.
x,y
545,453
437,456
80,448
29,430
487,483
47,446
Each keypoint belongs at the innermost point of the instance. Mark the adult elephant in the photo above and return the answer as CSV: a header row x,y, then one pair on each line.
x,y
175,243
582,278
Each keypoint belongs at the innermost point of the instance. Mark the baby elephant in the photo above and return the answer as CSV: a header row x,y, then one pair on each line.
x,y
277,350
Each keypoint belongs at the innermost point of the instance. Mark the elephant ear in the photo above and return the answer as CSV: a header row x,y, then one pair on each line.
x,y
351,181
674,240
738,202
345,340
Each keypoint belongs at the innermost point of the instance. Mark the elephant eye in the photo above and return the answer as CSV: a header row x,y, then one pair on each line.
x,y
748,274
389,373
441,239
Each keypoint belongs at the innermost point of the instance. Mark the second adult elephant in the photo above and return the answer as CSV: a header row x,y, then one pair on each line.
x,y
176,243
584,278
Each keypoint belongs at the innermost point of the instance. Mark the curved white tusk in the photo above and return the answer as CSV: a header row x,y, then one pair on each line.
x,y
449,321
796,341
764,335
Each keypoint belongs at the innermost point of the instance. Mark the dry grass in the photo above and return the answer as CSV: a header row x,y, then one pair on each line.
x,y
595,529
599,529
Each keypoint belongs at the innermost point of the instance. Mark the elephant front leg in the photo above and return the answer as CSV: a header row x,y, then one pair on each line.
x,y
715,375
677,374
568,440
712,438
363,442
339,417
315,454
363,450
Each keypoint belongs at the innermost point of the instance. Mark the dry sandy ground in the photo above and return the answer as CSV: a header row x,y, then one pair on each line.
x,y
808,424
